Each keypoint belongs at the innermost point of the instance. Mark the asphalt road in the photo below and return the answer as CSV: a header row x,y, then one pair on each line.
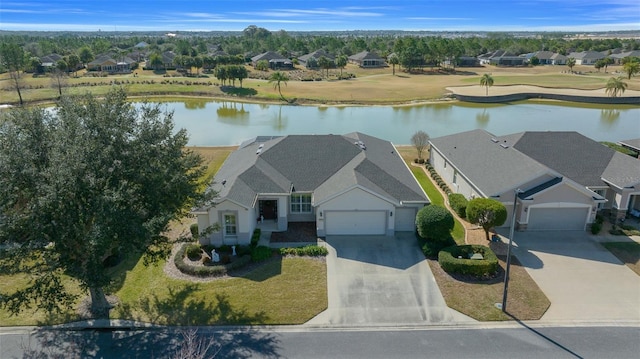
x,y
299,342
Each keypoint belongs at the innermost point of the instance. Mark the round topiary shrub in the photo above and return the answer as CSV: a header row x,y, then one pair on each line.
x,y
457,260
194,252
194,231
434,222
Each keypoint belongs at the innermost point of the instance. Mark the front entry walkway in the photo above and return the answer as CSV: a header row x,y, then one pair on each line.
x,y
374,280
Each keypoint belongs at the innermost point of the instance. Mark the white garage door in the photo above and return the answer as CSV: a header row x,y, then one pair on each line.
x,y
405,219
541,219
355,223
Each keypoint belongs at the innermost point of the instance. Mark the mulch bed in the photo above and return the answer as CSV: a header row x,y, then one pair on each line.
x,y
296,232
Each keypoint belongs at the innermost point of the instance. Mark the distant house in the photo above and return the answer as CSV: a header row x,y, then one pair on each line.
x,y
558,59
633,145
467,61
351,184
565,178
141,45
316,55
49,62
502,58
367,59
112,64
617,58
275,60
586,57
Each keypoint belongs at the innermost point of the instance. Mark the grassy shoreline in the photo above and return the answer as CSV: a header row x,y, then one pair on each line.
x,y
370,87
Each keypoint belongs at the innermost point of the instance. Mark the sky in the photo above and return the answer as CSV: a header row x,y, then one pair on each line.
x,y
322,15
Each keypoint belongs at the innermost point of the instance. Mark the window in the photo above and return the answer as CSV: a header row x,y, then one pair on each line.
x,y
455,177
230,228
300,203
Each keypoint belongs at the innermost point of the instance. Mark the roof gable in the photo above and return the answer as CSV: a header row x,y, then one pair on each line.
x,y
568,153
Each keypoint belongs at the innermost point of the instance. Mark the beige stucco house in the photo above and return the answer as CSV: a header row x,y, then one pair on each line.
x,y
351,184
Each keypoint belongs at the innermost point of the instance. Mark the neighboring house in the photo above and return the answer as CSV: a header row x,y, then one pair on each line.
x,y
566,178
586,57
112,64
275,60
502,58
367,59
617,58
468,61
351,184
317,55
49,62
544,57
558,59
633,145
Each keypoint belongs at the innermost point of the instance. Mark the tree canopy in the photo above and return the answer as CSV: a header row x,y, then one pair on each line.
x,y
420,140
90,180
487,213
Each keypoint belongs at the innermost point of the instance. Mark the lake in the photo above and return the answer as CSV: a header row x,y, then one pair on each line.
x,y
218,123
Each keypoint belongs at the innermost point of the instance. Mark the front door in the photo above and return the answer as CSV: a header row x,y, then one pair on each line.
x,y
269,209
230,226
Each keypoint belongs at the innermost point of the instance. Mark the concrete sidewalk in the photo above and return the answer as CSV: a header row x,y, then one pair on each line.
x,y
375,280
583,281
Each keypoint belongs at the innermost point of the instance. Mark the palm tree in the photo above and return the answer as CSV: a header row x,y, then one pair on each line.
x,y
631,68
487,81
341,62
393,60
571,62
615,86
277,78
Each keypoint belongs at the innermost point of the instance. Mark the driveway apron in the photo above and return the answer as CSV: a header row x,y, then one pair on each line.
x,y
582,279
381,280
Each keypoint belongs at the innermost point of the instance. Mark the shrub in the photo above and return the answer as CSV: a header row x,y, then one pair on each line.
x,y
194,231
260,253
310,251
194,252
487,213
596,228
459,204
208,270
431,248
255,238
455,260
434,222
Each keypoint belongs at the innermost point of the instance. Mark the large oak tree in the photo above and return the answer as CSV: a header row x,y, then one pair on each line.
x,y
79,184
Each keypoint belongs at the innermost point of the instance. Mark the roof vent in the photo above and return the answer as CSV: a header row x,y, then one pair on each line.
x,y
361,145
261,145
258,151
494,140
504,146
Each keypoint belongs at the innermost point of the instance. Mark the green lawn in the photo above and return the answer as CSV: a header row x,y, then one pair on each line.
x,y
436,198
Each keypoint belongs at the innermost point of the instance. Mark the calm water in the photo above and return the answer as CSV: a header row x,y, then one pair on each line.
x,y
215,123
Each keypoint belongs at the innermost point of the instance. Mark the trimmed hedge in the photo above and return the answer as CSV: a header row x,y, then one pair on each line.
x,y
449,261
310,251
207,271
194,231
261,253
255,238
434,222
194,252
458,203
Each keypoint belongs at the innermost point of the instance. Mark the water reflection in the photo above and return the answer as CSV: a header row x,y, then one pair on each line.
x,y
280,122
609,116
233,112
195,104
482,118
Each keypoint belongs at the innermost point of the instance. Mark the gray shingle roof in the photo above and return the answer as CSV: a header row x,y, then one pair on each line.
x,y
489,162
322,164
633,143
569,153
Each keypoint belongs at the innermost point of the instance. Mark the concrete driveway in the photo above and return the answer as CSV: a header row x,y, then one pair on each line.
x,y
381,280
581,278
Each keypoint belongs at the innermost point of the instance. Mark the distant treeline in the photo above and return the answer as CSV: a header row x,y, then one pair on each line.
x,y
255,40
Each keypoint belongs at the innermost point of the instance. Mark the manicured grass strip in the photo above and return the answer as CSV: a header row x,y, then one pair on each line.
x,y
436,198
477,299
282,291
627,252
